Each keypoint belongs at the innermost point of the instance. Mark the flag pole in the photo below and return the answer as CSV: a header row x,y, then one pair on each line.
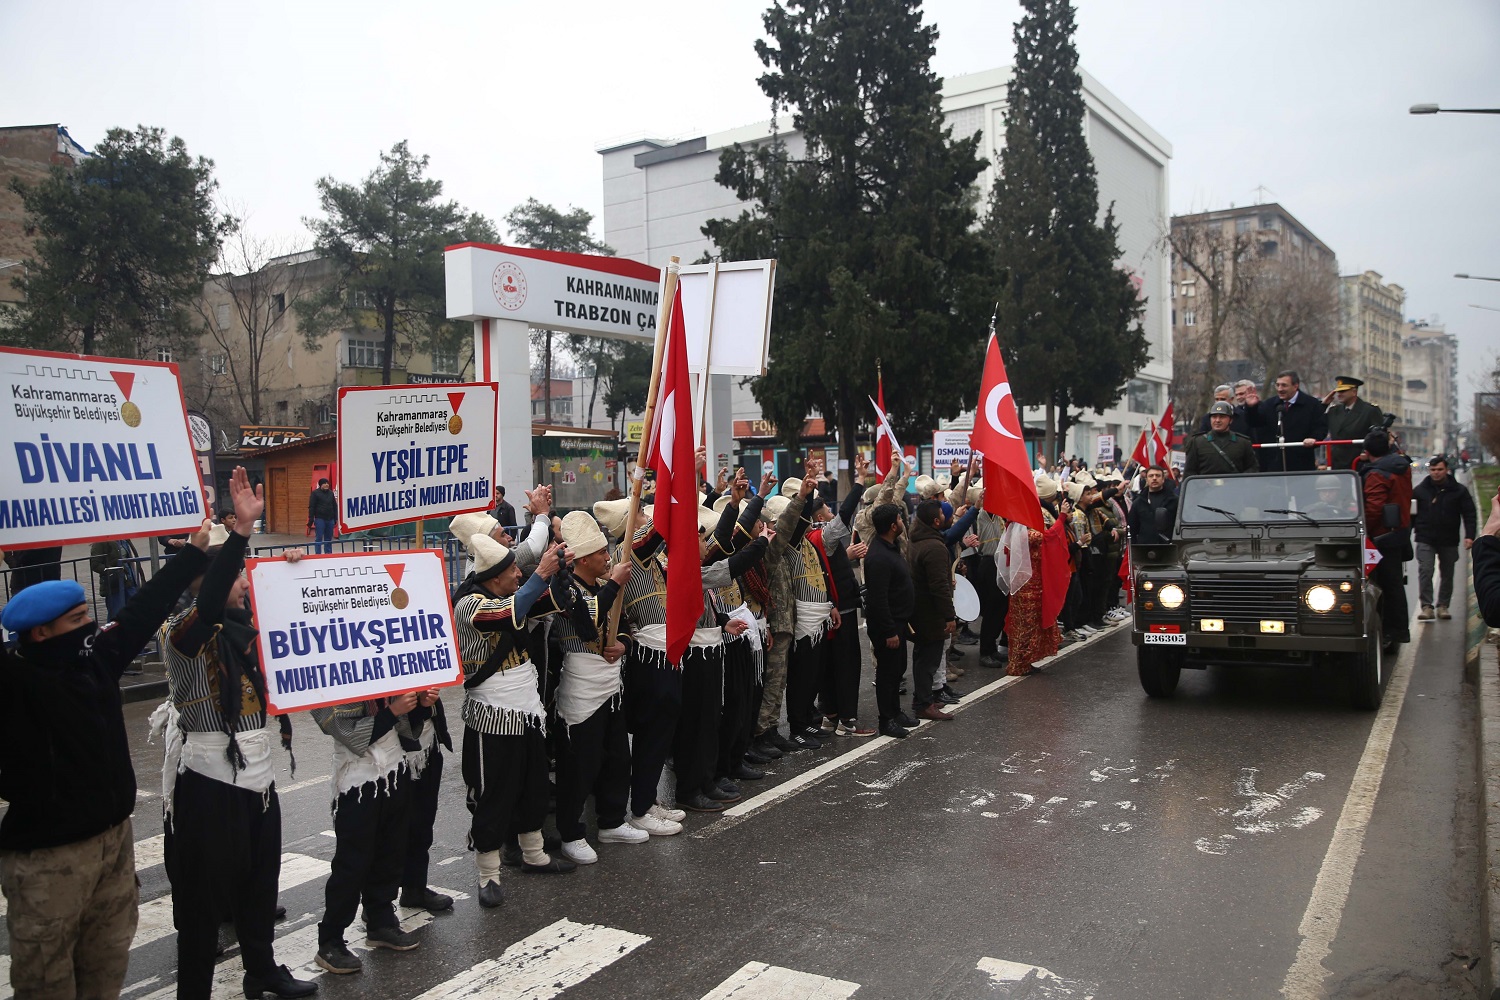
x,y
627,544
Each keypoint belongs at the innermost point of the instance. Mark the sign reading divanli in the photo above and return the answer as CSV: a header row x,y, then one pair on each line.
x,y
342,628
93,448
412,451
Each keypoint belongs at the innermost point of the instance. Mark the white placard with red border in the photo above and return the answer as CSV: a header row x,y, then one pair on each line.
x,y
407,452
950,445
348,627
94,448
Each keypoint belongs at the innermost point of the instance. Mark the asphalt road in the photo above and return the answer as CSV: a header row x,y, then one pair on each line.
x,y
1063,837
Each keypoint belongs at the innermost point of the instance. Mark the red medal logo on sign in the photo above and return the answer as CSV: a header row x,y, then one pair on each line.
x,y
399,597
509,284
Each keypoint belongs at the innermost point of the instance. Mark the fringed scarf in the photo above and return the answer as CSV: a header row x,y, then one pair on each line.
x,y
242,686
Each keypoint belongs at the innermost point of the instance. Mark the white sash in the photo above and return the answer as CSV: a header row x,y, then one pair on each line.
x,y
753,628
813,619
512,690
588,681
381,760
204,753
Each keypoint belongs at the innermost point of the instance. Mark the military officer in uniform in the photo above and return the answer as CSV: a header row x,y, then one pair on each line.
x,y
1349,418
1219,450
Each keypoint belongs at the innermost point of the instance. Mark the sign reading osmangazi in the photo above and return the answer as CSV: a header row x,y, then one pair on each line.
x,y
947,446
413,451
348,627
93,448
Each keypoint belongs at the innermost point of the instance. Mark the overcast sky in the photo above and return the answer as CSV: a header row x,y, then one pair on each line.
x,y
1308,98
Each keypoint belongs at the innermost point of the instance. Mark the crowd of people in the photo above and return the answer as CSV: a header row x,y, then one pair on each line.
x,y
569,694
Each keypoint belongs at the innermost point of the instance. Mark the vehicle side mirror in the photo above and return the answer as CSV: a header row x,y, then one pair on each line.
x,y
1163,522
1390,515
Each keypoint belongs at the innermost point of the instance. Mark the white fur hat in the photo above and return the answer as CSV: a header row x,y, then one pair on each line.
x,y
773,508
791,487
217,535
707,521
490,557
721,503
611,515
1046,487
975,493
466,526
1075,490
928,487
581,534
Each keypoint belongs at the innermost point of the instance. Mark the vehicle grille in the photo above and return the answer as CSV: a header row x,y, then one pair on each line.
x,y
1241,600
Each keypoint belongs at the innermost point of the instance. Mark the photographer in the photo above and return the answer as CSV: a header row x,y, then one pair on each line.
x,y
1386,474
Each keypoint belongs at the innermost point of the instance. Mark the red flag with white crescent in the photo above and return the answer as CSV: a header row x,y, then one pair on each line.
x,y
1009,488
1141,455
884,441
669,453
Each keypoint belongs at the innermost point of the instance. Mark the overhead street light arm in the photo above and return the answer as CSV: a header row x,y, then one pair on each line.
x,y
1433,109
1476,277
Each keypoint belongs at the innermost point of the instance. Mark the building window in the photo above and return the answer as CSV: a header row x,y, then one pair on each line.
x,y
1242,225
1268,222
325,414
366,354
221,315
282,407
1145,397
1189,288
1189,318
218,364
164,354
1268,248
278,304
357,298
445,361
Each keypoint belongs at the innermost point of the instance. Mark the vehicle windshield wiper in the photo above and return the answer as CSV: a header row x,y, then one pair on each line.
x,y
1221,510
1302,514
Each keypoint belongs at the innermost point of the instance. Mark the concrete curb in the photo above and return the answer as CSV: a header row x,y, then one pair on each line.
x,y
1482,655
145,690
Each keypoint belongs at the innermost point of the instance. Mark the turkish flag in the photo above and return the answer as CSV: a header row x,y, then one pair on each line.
x,y
884,441
1142,455
669,453
1009,488
1164,425
1160,454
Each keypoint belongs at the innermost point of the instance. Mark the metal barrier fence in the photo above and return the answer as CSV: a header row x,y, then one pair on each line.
x,y
454,559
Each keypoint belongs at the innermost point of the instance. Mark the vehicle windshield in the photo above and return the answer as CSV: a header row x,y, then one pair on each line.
x,y
1268,497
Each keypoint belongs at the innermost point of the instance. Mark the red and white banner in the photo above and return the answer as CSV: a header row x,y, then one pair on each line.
x,y
407,452
1009,487
885,437
350,627
95,449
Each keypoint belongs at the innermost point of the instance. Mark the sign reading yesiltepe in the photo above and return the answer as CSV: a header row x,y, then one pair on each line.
x,y
348,627
94,448
413,451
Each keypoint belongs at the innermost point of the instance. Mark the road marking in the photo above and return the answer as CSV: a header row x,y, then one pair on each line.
x,y
758,981
738,813
1040,982
1320,922
150,852
156,916
541,965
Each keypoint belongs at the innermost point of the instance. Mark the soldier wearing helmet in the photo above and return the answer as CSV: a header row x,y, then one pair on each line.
x,y
1219,450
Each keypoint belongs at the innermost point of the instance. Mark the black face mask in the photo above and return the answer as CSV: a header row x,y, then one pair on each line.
x,y
64,650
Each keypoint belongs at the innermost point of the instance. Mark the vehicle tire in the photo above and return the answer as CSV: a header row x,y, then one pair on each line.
x,y
1159,670
1369,670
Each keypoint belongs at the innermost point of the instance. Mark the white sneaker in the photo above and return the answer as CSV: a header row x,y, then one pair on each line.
x,y
667,812
654,825
623,834
1085,630
579,852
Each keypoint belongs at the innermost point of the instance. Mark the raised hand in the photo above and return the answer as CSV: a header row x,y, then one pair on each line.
x,y
767,484
248,502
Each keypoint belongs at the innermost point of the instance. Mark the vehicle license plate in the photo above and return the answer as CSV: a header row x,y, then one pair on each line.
x,y
1165,639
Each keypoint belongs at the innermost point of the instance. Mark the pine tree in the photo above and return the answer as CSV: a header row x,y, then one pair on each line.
x,y
871,221
1068,317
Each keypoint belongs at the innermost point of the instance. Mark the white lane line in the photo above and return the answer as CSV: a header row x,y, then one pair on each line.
x,y
1320,922
542,965
741,811
759,981
156,916
1042,983
150,852
321,779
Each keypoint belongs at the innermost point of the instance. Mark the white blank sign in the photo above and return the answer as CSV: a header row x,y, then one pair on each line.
x,y
739,325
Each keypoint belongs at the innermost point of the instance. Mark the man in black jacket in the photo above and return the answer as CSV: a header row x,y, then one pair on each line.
x,y
1291,417
1442,507
1487,566
890,600
323,516
1142,519
67,852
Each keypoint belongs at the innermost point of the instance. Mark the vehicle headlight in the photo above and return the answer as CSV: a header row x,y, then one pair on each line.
x,y
1171,597
1320,598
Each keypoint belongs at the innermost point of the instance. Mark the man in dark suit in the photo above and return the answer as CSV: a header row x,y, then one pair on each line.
x,y
1291,417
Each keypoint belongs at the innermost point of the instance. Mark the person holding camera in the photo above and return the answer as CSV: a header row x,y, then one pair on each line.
x,y
1386,475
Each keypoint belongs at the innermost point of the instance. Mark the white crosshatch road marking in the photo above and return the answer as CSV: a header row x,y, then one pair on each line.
x,y
542,965
759,981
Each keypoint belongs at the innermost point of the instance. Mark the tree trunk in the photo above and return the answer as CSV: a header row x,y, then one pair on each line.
x,y
848,445
1049,440
88,338
390,342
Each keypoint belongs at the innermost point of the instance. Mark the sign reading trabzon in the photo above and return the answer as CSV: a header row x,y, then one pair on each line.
x,y
601,296
93,449
407,452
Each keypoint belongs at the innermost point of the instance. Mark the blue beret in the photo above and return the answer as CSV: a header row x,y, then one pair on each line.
x,y
947,509
40,603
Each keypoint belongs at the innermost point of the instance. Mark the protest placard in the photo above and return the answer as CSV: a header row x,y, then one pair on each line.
x,y
412,451
348,627
94,449
948,445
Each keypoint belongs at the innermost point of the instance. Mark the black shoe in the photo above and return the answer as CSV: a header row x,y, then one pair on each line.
x,y
511,856
780,742
393,938
280,912
944,698
902,688
744,772
906,721
755,757
337,959
804,742
700,803
279,983
893,730
720,794
993,662
955,654
828,725
947,689
813,731
490,895
423,898
553,866
767,747
967,638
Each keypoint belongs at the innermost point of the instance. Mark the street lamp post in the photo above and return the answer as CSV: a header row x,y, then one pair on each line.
x,y
1433,109
1475,277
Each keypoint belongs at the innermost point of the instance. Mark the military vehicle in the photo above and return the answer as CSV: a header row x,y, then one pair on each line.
x,y
1262,569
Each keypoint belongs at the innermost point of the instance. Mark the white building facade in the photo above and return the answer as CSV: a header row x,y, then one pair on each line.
x,y
658,195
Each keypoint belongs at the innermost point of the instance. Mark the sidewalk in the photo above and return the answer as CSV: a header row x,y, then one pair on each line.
x,y
1483,653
